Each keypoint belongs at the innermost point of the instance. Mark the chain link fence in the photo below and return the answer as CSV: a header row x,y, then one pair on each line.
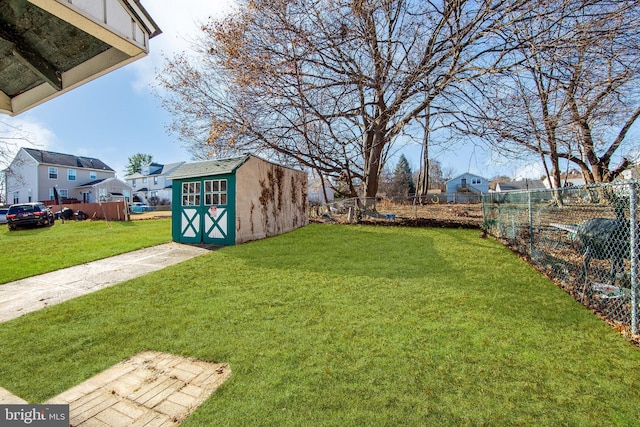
x,y
586,239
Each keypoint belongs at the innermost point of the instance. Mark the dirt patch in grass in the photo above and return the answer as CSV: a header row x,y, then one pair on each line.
x,y
150,215
431,215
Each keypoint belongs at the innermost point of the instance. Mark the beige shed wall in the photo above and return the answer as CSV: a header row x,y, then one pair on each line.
x,y
270,200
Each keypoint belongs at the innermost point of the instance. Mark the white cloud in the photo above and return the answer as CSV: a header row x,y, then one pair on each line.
x,y
180,23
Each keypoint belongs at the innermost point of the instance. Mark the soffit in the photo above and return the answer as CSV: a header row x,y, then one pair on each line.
x,y
48,47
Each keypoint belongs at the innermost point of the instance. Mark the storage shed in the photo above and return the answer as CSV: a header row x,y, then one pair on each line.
x,y
235,200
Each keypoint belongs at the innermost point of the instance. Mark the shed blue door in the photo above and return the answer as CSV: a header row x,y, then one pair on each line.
x,y
205,213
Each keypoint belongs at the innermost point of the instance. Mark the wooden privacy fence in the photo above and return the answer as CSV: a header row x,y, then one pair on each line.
x,y
113,211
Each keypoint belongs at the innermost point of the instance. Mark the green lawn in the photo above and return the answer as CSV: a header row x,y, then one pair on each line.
x,y
30,251
349,326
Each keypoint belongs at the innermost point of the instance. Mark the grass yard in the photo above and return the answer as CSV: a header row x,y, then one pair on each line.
x,y
30,251
335,325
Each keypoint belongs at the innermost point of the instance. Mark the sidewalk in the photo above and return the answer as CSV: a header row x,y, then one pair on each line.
x,y
33,293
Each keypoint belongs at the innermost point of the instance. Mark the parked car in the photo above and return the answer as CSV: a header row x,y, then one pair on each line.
x,y
35,213
3,215
137,207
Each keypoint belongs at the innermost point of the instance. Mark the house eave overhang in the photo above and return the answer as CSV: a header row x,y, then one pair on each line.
x,y
49,47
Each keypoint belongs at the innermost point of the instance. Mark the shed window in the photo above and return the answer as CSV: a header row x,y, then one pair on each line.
x,y
215,192
191,194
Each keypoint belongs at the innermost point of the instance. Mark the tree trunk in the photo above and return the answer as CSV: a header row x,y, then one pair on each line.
x,y
374,144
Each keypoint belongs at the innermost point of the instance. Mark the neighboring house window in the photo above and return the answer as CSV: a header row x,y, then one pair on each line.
x,y
71,174
92,175
155,180
64,194
190,194
153,194
53,173
476,181
16,197
144,180
133,183
215,192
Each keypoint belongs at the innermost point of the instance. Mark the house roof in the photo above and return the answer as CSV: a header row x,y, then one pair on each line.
x,y
530,184
49,47
91,183
163,170
97,182
209,167
68,160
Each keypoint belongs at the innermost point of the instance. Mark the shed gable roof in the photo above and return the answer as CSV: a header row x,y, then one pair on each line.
x,y
209,167
68,160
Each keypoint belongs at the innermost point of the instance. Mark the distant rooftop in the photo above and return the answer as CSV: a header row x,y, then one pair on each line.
x,y
530,184
68,160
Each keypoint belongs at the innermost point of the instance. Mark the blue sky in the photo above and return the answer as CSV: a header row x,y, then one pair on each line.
x,y
117,115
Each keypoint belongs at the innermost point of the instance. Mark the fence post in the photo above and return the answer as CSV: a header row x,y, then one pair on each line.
x,y
633,240
530,203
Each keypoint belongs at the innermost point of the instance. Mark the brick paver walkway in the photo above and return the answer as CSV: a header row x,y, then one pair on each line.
x,y
149,389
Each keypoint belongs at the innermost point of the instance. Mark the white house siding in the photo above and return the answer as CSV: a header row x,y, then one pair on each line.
x,y
455,184
113,16
83,176
163,187
31,178
20,177
270,200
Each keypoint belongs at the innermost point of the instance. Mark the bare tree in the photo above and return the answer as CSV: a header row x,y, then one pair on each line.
x,y
12,138
331,84
574,95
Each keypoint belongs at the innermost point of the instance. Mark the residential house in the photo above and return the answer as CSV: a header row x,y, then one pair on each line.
x,y
466,188
34,174
571,179
153,182
235,200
